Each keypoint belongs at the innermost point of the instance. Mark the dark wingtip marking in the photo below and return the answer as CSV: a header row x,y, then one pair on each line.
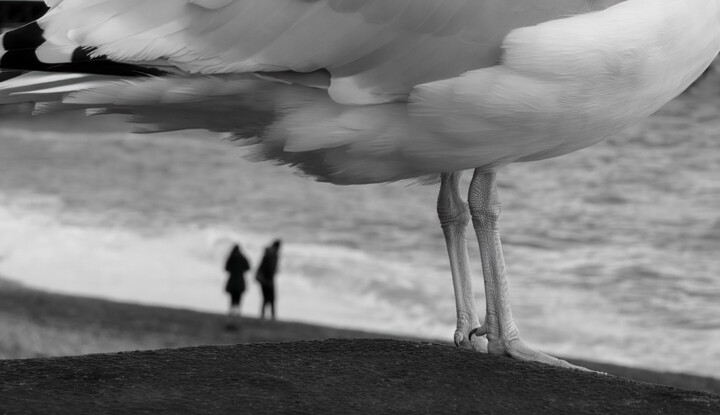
x,y
20,47
81,62
23,59
29,36
82,57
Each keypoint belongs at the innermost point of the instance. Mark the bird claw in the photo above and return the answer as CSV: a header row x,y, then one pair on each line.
x,y
478,331
471,341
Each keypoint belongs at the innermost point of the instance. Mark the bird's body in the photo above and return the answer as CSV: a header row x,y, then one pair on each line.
x,y
448,90
363,91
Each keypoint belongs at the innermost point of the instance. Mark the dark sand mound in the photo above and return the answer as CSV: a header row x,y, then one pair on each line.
x,y
332,376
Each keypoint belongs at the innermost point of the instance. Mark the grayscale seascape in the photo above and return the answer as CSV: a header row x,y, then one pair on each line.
x,y
613,251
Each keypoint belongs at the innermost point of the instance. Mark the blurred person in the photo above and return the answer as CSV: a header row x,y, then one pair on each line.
x,y
266,277
236,266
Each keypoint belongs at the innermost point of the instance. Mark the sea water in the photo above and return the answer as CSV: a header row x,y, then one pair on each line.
x,y
612,252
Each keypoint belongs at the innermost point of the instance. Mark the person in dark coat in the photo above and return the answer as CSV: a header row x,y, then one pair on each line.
x,y
266,277
236,266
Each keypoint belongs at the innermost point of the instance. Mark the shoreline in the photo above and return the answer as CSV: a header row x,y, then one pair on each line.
x,y
36,324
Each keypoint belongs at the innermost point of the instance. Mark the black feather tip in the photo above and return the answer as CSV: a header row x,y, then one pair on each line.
x,y
20,46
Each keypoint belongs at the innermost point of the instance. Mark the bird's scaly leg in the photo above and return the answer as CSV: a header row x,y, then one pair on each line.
x,y
454,217
502,334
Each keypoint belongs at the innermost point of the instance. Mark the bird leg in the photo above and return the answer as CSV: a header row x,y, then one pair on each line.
x,y
454,217
502,334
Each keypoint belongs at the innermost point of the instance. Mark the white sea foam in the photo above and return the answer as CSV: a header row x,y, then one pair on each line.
x,y
182,267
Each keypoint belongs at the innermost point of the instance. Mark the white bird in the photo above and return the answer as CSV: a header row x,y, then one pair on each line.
x,y
369,91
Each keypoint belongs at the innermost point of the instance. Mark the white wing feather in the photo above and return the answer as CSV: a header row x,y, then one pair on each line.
x,y
467,109
375,50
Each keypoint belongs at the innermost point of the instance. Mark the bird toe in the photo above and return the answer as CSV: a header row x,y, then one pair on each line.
x,y
521,351
471,340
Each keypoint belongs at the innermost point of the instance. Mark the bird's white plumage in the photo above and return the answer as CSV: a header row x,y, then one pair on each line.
x,y
375,50
457,84
562,87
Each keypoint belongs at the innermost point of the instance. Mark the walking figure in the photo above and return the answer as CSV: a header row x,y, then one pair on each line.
x,y
236,266
266,277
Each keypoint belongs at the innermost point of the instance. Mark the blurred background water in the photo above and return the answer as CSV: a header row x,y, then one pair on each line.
x,y
613,251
